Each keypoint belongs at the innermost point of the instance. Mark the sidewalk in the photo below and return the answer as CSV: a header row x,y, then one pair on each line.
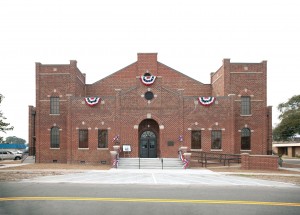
x,y
80,174
198,177
10,163
29,160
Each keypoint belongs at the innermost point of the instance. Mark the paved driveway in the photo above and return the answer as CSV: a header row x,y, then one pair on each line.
x,y
159,177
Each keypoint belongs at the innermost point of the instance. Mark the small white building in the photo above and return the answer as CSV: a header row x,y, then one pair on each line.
x,y
289,149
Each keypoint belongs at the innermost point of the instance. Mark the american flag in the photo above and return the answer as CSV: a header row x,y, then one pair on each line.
x,y
180,138
116,138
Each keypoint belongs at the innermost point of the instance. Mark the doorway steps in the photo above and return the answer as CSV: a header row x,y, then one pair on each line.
x,y
150,163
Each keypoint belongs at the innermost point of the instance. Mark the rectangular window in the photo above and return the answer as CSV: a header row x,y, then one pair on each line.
x,y
83,138
196,139
102,139
245,105
54,137
216,139
54,105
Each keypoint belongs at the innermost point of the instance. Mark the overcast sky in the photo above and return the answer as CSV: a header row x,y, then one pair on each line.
x,y
191,36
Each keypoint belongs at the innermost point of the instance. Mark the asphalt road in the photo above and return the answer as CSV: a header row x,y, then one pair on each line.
x,y
129,199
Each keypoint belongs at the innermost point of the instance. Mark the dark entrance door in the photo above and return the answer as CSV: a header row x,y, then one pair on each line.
x,y
148,145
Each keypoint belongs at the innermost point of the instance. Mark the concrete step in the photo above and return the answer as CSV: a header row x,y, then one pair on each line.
x,y
150,163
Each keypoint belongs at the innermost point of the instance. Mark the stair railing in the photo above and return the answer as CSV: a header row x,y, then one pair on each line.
x,y
139,162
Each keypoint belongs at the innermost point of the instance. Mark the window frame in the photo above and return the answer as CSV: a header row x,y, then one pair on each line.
x,y
245,105
196,144
54,105
102,145
54,138
216,139
245,139
83,138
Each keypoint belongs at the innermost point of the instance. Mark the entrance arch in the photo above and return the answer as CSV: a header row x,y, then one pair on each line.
x,y
148,138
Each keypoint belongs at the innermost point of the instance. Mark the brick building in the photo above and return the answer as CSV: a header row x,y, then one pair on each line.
x,y
150,107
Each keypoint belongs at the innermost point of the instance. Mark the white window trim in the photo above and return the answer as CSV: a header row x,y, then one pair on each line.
x,y
102,149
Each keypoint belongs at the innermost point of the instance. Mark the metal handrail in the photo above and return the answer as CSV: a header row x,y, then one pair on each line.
x,y
139,162
204,157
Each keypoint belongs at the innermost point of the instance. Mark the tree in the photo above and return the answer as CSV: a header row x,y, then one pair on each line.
x,y
289,125
14,139
4,126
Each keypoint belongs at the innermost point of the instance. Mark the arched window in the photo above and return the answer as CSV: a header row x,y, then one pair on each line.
x,y
245,139
54,137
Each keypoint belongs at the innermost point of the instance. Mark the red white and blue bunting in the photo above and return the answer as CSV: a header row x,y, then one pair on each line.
x,y
115,163
148,80
92,101
185,161
206,101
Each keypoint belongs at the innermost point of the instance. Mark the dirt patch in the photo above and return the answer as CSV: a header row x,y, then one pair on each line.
x,y
280,175
17,175
238,169
279,178
58,166
30,171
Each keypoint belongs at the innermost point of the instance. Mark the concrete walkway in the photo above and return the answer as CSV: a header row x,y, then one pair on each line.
x,y
7,163
153,176
157,177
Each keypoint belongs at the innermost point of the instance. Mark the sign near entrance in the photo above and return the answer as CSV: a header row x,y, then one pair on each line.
x,y
170,143
126,148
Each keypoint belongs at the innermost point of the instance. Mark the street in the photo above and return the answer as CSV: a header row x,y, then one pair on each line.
x,y
71,198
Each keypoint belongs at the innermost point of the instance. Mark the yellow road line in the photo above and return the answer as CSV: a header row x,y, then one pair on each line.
x,y
231,202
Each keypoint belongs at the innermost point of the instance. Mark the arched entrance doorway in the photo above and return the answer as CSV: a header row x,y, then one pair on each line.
x,y
148,138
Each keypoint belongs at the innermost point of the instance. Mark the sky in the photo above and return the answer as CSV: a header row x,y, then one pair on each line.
x,y
191,36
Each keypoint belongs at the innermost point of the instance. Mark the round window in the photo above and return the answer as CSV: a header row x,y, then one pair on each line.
x,y
149,95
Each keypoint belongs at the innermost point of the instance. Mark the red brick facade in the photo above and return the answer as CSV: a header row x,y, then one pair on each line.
x,y
261,162
174,110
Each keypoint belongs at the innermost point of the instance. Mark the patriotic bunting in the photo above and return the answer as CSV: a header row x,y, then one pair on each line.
x,y
92,101
206,101
115,163
148,80
184,160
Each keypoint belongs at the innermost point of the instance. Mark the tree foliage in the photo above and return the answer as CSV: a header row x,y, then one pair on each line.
x,y
14,139
290,120
4,126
